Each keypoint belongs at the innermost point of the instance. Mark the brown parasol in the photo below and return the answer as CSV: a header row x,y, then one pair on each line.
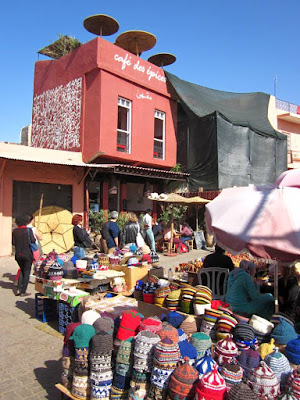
x,y
162,59
136,41
101,25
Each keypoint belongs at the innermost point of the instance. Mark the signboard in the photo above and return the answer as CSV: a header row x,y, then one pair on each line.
x,y
199,239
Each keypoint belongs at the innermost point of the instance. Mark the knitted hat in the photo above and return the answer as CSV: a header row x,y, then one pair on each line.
x,y
244,336
222,335
294,383
205,364
104,324
182,382
226,323
211,315
199,309
232,373
189,325
241,319
101,343
129,324
152,324
261,325
292,351
69,330
169,331
181,335
80,386
174,294
89,317
69,270
286,396
188,350
55,272
280,365
225,351
280,315
241,391
125,351
206,327
145,343
175,319
203,295
201,342
266,348
173,304
166,354
248,359
263,381
211,386
188,292
81,361
283,332
82,335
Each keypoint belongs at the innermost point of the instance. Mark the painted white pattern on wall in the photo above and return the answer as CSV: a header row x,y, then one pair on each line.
x,y
56,117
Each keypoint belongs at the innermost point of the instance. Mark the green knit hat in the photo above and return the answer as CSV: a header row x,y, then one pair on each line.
x,y
82,335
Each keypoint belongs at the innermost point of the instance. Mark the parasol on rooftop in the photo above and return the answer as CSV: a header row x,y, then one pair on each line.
x,y
162,59
56,228
136,42
101,25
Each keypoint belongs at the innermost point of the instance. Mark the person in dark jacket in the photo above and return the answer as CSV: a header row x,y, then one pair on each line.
x,y
288,290
21,239
130,229
218,259
81,237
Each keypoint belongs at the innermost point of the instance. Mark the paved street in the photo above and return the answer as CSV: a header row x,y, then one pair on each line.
x,y
30,351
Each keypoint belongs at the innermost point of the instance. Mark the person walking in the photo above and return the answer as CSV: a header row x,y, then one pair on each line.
x,y
113,232
81,237
148,233
21,239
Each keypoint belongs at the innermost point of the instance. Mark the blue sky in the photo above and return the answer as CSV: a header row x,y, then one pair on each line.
x,y
232,45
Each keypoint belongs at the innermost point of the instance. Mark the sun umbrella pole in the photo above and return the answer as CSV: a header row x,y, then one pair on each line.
x,y
197,218
40,211
276,287
172,228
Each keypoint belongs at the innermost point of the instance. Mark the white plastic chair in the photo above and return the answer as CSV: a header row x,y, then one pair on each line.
x,y
216,279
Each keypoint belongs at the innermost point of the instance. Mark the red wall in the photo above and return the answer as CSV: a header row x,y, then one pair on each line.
x,y
105,72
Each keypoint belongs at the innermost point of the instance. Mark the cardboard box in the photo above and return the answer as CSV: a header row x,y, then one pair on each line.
x,y
132,274
39,287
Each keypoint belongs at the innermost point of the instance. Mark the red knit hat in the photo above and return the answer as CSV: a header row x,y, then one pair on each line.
x,y
225,351
211,386
169,331
182,382
129,324
152,324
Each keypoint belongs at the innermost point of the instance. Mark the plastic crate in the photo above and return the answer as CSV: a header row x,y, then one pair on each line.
x,y
66,315
45,309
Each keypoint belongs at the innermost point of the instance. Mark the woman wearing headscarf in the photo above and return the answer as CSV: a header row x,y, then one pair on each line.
x,y
242,294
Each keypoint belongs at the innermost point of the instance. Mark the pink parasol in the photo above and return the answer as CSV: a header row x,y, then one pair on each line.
x,y
290,178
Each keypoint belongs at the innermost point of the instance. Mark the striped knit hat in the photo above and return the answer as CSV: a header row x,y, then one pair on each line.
x,y
241,391
166,354
181,335
211,315
294,383
182,382
203,295
211,386
205,364
280,365
152,324
263,382
189,325
225,351
187,293
145,342
169,331
232,373
226,323
244,336
201,342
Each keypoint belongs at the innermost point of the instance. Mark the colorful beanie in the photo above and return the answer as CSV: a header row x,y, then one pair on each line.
x,y
280,365
169,331
152,324
188,350
294,383
263,382
225,351
201,342
248,359
283,332
175,319
244,336
189,325
212,315
211,386
145,343
292,351
82,335
232,373
182,382
166,354
203,295
181,335
226,323
241,391
205,364
125,351
129,324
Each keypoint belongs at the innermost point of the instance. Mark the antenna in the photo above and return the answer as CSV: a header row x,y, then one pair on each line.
x,y
275,86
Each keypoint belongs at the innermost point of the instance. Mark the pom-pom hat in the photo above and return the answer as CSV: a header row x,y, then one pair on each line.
x,y
225,351
182,382
211,386
280,365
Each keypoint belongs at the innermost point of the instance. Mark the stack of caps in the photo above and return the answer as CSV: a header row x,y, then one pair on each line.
x,y
189,325
292,351
168,331
129,324
280,365
100,365
152,324
226,323
225,351
145,342
68,356
89,317
68,347
294,383
149,292
173,300
69,269
166,357
55,272
232,373
202,299
262,328
266,348
175,319
205,364
241,391
187,350
263,382
160,295
248,359
123,369
210,320
81,336
182,382
244,336
187,295
211,386
181,335
283,332
201,342
154,257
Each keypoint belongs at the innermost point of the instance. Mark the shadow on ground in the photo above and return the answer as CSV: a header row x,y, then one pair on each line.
x,y
27,305
48,376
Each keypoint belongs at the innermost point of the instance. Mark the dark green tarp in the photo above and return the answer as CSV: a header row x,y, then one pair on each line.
x,y
225,139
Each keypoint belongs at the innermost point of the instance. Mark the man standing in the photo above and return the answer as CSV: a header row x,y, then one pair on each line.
x,y
148,233
112,240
